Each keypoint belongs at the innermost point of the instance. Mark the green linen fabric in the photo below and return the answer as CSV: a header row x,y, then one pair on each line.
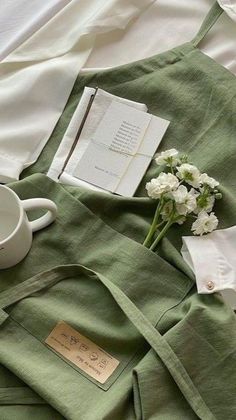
x,y
176,348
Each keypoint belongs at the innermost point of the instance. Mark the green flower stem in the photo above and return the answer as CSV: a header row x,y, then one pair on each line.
x,y
160,224
192,216
161,234
154,224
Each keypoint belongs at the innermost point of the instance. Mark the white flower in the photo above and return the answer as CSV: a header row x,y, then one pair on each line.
x,y
185,200
167,158
205,223
162,184
189,173
205,179
167,210
205,203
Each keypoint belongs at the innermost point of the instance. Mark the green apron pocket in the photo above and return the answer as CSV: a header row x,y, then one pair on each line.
x,y
156,395
91,317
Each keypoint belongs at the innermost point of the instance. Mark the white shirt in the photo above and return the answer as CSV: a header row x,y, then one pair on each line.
x,y
212,258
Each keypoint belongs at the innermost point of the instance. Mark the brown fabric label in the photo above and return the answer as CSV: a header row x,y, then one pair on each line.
x,y
82,352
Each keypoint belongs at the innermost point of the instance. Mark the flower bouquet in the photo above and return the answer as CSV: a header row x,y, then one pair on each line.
x,y
181,192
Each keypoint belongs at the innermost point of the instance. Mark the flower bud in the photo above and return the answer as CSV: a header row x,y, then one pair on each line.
x,y
184,159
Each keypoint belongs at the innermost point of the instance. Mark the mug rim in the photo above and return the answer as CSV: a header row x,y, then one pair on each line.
x,y
20,215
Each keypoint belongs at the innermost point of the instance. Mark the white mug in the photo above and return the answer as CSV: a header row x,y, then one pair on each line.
x,y
16,231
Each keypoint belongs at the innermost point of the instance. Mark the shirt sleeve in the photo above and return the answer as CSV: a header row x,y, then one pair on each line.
x,y
212,259
36,79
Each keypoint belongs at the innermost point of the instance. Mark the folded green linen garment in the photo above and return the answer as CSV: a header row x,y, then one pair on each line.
x,y
155,348
172,344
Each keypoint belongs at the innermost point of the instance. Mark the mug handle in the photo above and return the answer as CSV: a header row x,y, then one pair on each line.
x,y
39,203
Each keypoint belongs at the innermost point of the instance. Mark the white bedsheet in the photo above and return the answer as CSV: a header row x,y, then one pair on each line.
x,y
37,77
19,19
164,25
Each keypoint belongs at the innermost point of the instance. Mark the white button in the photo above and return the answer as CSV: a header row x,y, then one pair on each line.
x,y
210,285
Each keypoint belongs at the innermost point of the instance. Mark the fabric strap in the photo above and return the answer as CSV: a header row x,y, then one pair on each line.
x,y
143,325
19,395
208,22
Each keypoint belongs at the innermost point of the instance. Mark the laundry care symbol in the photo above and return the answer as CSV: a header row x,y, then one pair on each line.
x,y
103,363
73,340
83,347
70,339
93,356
